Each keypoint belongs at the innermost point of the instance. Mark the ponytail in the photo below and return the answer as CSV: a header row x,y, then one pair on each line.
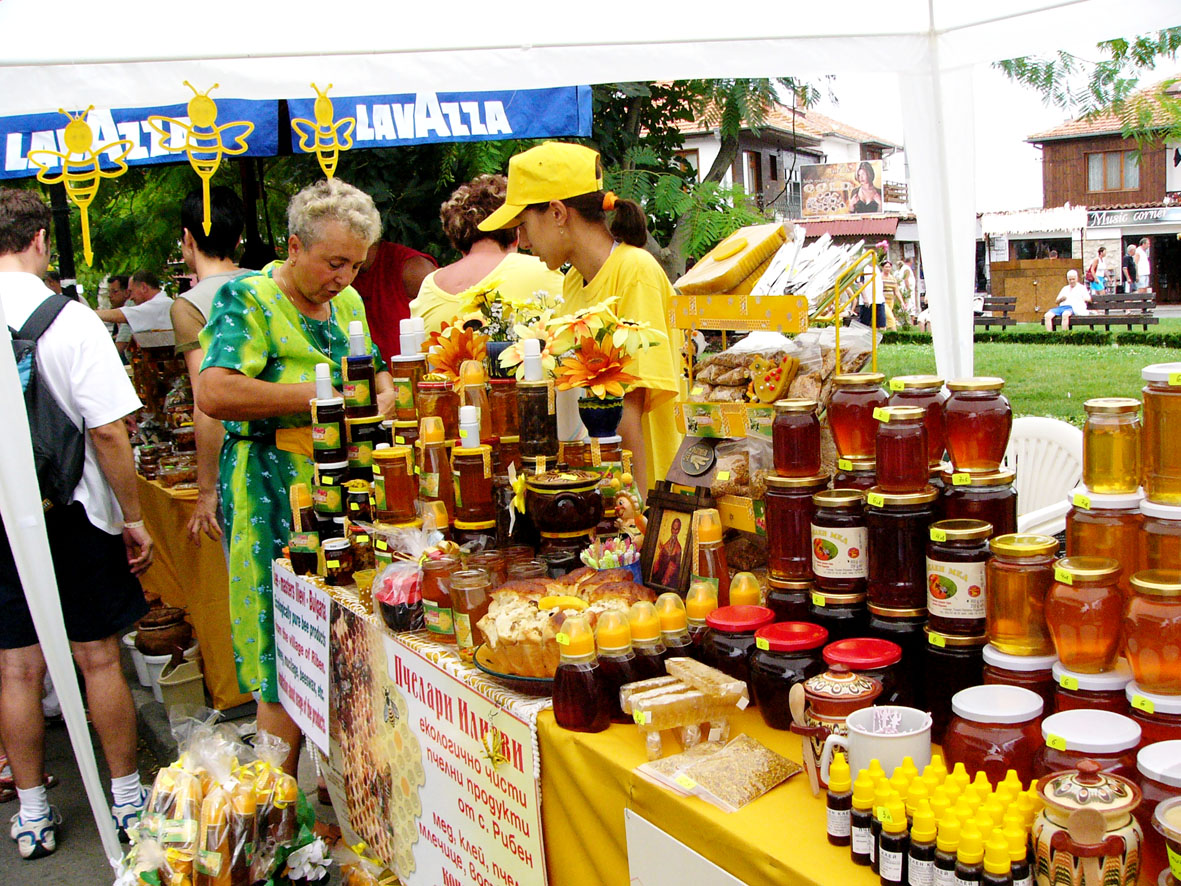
x,y
628,225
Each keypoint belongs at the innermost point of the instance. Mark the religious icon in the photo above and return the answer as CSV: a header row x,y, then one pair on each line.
x,y
80,169
325,136
205,142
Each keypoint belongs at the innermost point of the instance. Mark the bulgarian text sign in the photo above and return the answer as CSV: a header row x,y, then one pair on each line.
x,y
301,648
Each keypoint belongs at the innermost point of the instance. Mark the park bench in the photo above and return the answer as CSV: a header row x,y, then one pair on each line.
x,y
1119,309
997,311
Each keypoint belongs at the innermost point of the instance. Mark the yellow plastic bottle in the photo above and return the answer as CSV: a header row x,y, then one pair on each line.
x,y
960,774
946,846
921,862
916,793
892,845
939,766
745,590
912,771
838,801
711,558
940,803
969,856
701,600
674,624
618,663
646,642
997,864
861,818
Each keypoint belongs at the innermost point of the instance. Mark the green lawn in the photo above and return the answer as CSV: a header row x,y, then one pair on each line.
x,y
1051,380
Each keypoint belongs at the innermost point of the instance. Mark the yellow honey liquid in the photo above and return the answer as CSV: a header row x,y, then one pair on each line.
x,y
1162,544
1114,533
1016,621
1161,452
1111,456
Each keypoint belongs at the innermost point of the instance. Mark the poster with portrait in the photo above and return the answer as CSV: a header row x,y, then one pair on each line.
x,y
842,188
666,561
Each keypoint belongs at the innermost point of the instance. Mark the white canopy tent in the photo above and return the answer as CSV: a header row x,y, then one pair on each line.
x,y
74,53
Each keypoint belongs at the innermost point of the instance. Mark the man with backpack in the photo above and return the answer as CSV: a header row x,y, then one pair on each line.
x,y
96,534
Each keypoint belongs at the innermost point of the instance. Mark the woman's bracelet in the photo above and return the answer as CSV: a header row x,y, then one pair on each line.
x,y
134,524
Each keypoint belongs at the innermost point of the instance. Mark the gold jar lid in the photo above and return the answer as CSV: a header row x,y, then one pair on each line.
x,y
960,530
1158,582
1018,545
783,584
822,599
899,413
391,453
915,382
843,379
1001,477
875,497
482,449
797,482
1111,405
857,464
470,526
511,438
935,638
367,420
411,423
885,612
795,404
533,384
976,383
1087,568
839,498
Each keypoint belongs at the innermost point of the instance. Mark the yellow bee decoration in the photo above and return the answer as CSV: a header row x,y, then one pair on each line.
x,y
325,136
80,169
205,142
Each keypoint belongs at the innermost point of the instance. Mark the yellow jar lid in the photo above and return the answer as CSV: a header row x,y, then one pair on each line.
x,y
838,599
900,413
1021,546
613,631
410,423
783,584
575,637
857,464
391,453
977,383
510,438
843,379
467,526
1111,405
701,600
885,612
778,482
1088,568
961,530
915,382
795,404
1002,477
472,450
671,609
644,621
935,638
839,498
1158,582
877,498
367,420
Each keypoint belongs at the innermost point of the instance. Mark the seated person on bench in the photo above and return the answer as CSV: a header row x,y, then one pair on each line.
x,y
1072,299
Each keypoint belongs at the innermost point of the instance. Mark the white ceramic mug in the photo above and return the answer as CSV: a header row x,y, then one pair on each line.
x,y
888,733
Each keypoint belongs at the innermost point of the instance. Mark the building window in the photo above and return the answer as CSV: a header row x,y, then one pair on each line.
x,y
774,167
1113,171
689,161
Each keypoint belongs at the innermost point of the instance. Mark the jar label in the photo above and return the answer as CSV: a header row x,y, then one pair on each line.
x,y
379,501
1062,576
862,838
1027,880
761,643
844,464
876,499
1057,742
304,542
361,539
458,489
1082,501
961,479
1175,379
328,499
838,823
428,485
361,454
881,414
326,436
1174,855
944,877
551,399
897,384
936,639
438,618
463,631
1070,684
332,564
1140,703
562,639
839,553
955,590
357,393
382,545
890,866
403,394
920,872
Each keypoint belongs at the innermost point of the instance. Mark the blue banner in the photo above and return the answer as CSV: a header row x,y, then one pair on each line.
x,y
137,140
383,121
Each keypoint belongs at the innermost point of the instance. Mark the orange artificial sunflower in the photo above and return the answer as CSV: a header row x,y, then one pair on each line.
x,y
599,368
450,347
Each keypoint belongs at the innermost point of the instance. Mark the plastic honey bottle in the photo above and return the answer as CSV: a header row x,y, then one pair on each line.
x,y
646,642
839,801
475,393
360,391
580,702
920,867
434,481
617,660
946,846
701,600
745,590
997,867
674,625
711,558
860,818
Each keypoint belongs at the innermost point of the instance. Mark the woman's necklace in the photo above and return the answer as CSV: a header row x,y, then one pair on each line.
x,y
311,329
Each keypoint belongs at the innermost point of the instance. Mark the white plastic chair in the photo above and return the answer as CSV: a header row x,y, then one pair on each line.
x,y
1047,455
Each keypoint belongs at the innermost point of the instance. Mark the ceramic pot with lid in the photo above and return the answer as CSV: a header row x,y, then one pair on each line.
x,y
563,504
831,697
1086,834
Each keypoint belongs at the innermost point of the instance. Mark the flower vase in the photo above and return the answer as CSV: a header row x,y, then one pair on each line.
x,y
494,349
601,415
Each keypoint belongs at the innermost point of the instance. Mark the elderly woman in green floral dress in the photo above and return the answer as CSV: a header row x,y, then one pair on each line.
x,y
263,341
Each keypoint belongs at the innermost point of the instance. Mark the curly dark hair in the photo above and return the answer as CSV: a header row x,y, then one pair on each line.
x,y
469,205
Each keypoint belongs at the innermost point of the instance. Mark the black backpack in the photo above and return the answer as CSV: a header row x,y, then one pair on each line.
x,y
59,446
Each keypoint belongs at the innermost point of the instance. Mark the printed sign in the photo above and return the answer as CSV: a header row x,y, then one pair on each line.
x,y
842,188
301,650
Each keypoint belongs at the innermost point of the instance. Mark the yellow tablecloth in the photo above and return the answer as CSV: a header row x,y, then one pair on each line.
x,y
194,578
587,780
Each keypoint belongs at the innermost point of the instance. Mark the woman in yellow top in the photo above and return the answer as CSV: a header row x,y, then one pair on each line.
x,y
555,195
488,257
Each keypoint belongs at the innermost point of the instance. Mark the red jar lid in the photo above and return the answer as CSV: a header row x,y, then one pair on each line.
x,y
863,653
791,636
737,619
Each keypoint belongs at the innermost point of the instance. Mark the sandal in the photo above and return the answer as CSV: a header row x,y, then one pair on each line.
x,y
8,787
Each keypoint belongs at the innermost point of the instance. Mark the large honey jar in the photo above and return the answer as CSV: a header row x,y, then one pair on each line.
x,y
855,396
1152,630
789,510
896,525
977,421
1107,526
1111,445
901,449
1161,541
990,497
1083,611
1019,577
795,438
1160,454
925,392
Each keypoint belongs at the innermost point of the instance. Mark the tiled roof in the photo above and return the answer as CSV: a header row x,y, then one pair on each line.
x,y
877,226
784,119
1108,122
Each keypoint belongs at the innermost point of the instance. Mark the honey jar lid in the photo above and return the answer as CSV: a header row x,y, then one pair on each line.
x,y
960,530
1087,786
332,466
839,498
701,600
1091,731
470,578
1022,663
745,588
644,621
482,449
1151,702
1115,680
1111,405
815,481
843,379
1161,762
877,498
935,638
863,653
899,413
1087,568
671,609
1021,545
575,637
795,404
791,636
915,382
1160,511
1083,499
367,420
510,438
857,464
430,430
707,525
408,423
735,619
977,383
1001,477
335,544
1169,373
613,632
786,584
997,703
1158,582
392,453
473,525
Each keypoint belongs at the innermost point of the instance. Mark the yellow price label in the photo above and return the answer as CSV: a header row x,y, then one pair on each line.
x,y
401,441
936,640
333,564
1068,683
961,479
642,718
818,600
938,534
1082,501
327,481
685,781
562,639
362,539
723,476
696,392
761,643
897,384
883,815
376,470
1140,703
881,414
354,506
876,499
381,545
1174,861
1062,576
844,464
1175,379
1057,742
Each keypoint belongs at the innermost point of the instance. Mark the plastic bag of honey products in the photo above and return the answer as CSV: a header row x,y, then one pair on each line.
x,y
397,593
742,771
277,795
742,467
144,865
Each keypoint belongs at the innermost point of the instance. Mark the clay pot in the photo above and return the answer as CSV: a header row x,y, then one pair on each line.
x,y
162,631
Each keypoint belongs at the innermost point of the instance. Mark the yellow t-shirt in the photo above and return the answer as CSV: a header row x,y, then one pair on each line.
x,y
519,275
644,294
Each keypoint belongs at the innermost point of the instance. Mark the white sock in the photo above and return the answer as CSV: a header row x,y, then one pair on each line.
x,y
34,803
125,789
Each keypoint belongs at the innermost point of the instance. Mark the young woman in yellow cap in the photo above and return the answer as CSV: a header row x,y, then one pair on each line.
x,y
555,194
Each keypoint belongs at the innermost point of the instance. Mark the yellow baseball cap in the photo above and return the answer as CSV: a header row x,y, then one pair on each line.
x,y
551,171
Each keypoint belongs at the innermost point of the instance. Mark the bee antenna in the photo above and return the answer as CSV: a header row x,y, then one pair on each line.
x,y
192,87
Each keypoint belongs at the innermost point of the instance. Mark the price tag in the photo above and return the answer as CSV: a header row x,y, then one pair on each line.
x,y
376,471
723,476
696,392
938,534
936,639
1175,379
642,718
333,564
844,464
881,414
685,781
761,643
1140,703
1068,683
1057,742
1174,861
1082,501
354,506
1062,576
876,499
327,481
961,479
897,384
362,539
818,600
381,545
562,639
883,815
401,441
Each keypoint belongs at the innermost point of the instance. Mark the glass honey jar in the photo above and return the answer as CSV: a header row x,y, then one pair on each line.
x,y
839,554
901,448
1152,630
1159,716
795,438
855,473
855,396
788,599
1111,445
789,510
471,471
896,530
436,396
1083,611
1162,536
925,392
990,497
1101,692
1019,577
1107,526
406,370
394,486
1160,454
977,420
502,404
956,558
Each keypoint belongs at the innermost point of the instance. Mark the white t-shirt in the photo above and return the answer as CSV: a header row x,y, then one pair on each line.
x,y
1142,267
80,366
155,313
1076,298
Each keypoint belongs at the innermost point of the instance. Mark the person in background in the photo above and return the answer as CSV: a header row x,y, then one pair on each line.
x,y
53,281
267,333
488,257
555,194
907,287
1072,299
149,306
97,542
872,300
1097,271
388,282
1129,269
211,258
1143,266
890,290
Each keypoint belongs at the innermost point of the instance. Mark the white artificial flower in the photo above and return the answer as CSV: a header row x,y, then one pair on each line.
x,y
309,862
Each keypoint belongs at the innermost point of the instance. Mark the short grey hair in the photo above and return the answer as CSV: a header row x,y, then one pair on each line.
x,y
333,200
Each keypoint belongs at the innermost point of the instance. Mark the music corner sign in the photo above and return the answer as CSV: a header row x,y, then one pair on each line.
x,y
1127,218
